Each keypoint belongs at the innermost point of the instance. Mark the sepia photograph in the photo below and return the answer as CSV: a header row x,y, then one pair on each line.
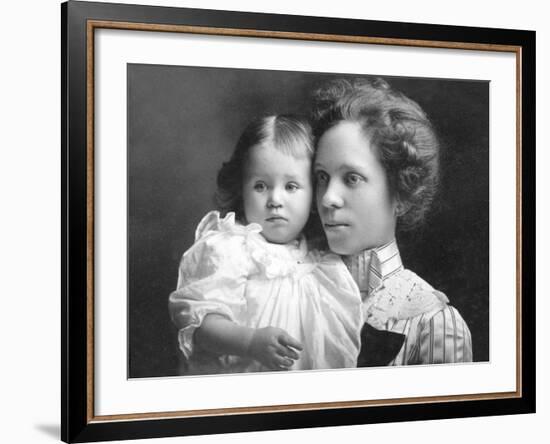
x,y
295,221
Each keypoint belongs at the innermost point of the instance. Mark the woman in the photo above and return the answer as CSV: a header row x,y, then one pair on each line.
x,y
376,167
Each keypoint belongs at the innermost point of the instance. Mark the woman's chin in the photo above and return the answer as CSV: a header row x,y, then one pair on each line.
x,y
341,248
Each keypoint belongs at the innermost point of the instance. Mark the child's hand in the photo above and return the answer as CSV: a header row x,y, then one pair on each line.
x,y
271,346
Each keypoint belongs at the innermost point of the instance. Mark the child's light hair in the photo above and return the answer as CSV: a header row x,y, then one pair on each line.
x,y
404,138
285,132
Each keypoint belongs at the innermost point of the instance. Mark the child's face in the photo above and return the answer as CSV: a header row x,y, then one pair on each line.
x,y
277,193
353,194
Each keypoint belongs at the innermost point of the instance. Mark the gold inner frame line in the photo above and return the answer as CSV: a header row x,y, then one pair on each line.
x,y
97,24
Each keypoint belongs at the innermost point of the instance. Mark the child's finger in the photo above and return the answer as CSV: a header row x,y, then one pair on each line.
x,y
282,351
289,341
282,362
290,353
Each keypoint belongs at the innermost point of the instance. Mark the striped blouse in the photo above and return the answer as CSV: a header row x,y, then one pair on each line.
x,y
399,301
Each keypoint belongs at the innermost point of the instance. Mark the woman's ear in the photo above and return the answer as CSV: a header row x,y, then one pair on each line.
x,y
400,208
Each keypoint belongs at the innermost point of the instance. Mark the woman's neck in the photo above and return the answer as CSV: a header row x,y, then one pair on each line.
x,y
370,267
369,251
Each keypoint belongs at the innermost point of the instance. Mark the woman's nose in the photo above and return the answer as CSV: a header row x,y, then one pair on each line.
x,y
330,197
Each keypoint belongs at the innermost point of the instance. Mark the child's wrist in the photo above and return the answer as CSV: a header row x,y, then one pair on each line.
x,y
248,342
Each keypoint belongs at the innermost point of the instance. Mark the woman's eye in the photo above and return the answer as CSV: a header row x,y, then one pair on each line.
x,y
321,177
260,187
353,179
292,186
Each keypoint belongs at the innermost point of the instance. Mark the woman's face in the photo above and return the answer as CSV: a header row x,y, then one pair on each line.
x,y
354,200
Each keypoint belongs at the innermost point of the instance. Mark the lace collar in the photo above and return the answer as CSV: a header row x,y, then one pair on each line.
x,y
388,290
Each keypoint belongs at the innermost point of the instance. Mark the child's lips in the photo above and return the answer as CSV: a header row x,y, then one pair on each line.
x,y
276,219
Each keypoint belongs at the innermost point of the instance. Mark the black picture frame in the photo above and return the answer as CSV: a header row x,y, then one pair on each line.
x,y
79,19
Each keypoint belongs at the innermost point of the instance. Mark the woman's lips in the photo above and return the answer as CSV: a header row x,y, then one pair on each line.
x,y
333,226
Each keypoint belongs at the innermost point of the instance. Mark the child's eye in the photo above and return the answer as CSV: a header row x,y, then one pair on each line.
x,y
321,177
292,186
260,187
353,179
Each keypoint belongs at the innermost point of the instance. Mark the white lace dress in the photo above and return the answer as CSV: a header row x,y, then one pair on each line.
x,y
231,270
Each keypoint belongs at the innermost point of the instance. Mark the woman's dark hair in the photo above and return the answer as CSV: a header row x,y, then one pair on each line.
x,y
285,132
405,140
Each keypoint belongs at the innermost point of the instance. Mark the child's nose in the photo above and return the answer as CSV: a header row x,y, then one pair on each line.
x,y
275,199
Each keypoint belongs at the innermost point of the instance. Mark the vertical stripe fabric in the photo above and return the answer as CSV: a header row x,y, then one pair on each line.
x,y
439,336
371,267
433,338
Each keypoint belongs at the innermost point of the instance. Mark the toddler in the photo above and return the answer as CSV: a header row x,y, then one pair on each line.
x,y
251,296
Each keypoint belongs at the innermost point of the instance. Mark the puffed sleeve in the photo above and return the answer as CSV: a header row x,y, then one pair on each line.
x,y
211,280
444,338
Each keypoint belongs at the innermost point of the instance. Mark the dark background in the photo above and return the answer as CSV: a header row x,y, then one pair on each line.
x,y
183,122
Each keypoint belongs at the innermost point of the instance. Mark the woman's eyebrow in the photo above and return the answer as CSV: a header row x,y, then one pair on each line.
x,y
349,166
342,167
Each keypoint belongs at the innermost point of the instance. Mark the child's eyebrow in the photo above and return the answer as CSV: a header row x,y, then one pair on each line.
x,y
292,177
